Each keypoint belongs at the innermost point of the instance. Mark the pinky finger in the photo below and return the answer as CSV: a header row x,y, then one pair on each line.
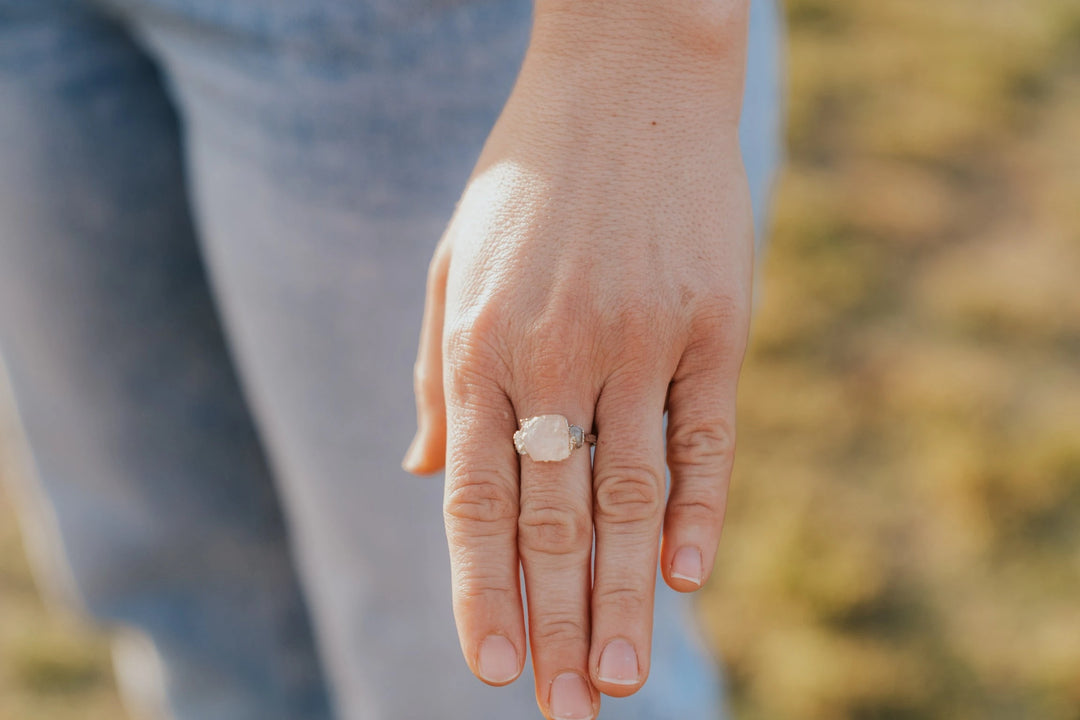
x,y
700,454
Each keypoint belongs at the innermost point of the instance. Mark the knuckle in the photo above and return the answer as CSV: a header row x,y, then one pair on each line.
x,y
718,320
703,509
545,376
636,325
633,336
554,343
559,631
466,340
719,308
471,352
554,327
705,445
623,602
551,529
551,351
629,493
482,498
487,590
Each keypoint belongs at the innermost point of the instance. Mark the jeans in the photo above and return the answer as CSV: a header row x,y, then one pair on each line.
x,y
215,222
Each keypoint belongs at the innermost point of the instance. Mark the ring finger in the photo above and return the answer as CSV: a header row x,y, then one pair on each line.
x,y
555,536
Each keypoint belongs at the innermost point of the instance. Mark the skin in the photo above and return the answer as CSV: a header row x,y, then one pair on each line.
x,y
598,266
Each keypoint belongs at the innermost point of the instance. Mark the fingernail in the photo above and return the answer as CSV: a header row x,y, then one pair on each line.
x,y
497,661
570,698
411,459
687,565
618,663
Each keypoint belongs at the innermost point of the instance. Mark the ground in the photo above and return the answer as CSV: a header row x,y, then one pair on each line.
x,y
903,536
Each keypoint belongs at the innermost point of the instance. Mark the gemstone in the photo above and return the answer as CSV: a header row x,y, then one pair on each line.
x,y
545,438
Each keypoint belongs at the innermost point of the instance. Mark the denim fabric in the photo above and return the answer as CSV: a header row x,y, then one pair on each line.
x,y
215,221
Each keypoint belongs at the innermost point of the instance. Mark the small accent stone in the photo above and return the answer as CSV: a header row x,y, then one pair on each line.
x,y
545,438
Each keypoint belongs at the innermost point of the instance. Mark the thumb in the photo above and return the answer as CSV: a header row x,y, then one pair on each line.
x,y
427,453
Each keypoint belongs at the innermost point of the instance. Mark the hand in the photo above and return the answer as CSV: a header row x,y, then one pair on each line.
x,y
599,267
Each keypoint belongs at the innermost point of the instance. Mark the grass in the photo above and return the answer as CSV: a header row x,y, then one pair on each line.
x,y
904,528
52,665
903,538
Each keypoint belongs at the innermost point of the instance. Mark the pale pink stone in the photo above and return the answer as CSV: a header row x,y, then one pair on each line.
x,y
545,438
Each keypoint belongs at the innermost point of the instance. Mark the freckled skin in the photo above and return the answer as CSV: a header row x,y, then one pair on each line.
x,y
598,266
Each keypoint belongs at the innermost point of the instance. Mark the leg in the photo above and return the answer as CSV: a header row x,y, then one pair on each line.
x,y
328,142
323,176
139,435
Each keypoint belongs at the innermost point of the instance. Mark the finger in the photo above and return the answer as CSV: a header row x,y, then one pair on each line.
x,y
555,539
628,488
427,452
481,514
700,453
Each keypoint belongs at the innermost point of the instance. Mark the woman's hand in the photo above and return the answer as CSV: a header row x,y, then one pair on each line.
x,y
599,267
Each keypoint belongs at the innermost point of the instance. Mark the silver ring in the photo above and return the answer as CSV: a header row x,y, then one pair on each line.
x,y
550,438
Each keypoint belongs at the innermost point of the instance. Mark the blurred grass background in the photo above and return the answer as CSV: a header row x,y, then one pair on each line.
x,y
52,666
903,536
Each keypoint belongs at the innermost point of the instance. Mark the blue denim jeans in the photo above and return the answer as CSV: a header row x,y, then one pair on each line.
x,y
215,221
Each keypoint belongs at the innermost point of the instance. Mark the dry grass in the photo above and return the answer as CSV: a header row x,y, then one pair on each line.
x,y
904,530
52,667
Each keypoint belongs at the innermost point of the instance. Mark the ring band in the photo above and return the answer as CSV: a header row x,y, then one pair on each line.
x,y
550,438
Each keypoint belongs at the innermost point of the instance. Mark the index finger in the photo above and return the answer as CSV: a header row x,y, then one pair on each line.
x,y
480,509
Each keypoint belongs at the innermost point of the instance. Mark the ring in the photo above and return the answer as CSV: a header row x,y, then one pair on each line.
x,y
550,438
